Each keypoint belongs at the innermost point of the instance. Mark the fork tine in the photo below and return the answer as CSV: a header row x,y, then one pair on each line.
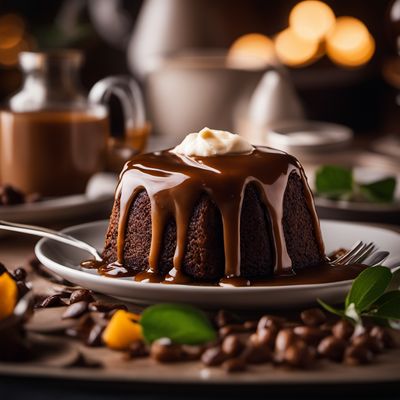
x,y
354,249
355,254
368,250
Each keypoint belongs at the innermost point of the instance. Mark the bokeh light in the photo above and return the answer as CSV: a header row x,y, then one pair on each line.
x,y
251,51
12,29
350,44
13,39
311,20
295,51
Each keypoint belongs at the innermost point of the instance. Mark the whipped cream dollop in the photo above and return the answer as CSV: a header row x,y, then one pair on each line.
x,y
212,142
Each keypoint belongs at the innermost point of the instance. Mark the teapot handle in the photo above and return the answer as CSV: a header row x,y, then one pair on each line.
x,y
128,93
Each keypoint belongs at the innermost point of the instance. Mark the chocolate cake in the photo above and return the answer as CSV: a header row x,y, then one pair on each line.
x,y
210,218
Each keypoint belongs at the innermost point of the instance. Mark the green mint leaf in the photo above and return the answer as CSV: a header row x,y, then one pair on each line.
x,y
379,191
333,181
331,309
388,306
180,323
368,287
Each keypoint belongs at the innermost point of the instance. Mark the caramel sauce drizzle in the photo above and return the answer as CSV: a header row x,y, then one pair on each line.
x,y
174,183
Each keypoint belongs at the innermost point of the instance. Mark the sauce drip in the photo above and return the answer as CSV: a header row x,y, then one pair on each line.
x,y
317,274
175,182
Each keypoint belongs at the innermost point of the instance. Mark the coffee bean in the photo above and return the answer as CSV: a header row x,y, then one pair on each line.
x,y
19,274
23,288
370,342
192,352
232,346
357,355
256,354
224,318
343,329
270,321
163,350
234,365
99,306
94,338
326,328
213,356
82,329
310,334
230,329
383,336
298,355
138,349
52,301
75,310
250,326
265,337
332,348
313,317
80,295
284,339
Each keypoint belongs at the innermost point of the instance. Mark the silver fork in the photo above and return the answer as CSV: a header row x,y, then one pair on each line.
x,y
358,253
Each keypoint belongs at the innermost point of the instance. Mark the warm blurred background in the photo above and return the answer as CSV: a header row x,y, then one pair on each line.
x,y
341,65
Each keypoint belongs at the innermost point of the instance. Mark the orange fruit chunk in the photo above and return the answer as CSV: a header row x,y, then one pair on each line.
x,y
8,295
122,330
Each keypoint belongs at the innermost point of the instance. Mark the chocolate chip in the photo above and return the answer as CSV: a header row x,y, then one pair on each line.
x,y
313,317
343,329
94,338
213,356
163,350
332,348
75,310
19,274
81,295
10,196
234,365
52,301
99,306
357,355
232,346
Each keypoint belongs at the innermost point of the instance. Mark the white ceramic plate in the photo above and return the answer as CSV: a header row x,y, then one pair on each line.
x,y
64,261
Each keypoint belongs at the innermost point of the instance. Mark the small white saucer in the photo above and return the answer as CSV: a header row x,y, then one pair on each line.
x,y
64,261
309,136
96,201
